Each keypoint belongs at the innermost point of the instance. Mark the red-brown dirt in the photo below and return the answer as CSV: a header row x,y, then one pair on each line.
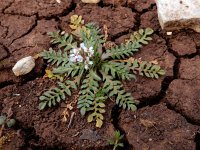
x,y
168,115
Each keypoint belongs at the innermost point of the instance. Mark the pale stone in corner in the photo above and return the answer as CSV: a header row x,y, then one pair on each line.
x,y
179,14
90,1
58,1
24,66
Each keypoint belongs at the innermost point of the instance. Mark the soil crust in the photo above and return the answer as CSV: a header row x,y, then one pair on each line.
x,y
171,122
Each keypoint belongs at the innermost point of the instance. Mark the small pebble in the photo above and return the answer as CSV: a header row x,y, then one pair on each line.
x,y
24,66
90,1
169,33
150,139
58,1
16,94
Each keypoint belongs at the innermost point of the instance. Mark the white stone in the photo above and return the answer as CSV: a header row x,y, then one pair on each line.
x,y
178,14
169,33
90,1
58,1
24,66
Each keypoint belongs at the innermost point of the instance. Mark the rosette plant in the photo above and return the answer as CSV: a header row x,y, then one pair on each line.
x,y
82,62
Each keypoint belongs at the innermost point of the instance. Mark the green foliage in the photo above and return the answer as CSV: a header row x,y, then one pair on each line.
x,y
69,69
131,46
54,57
121,52
98,108
55,95
115,88
94,70
9,122
116,141
117,69
144,68
88,90
141,36
62,40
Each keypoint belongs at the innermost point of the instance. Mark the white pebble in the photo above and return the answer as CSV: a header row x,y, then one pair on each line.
x,y
91,1
24,66
150,139
169,33
58,1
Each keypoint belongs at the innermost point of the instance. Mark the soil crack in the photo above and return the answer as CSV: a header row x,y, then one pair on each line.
x,y
189,120
9,5
29,31
116,111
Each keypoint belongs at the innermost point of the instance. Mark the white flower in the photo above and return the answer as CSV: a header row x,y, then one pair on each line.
x,y
75,51
72,58
90,52
86,66
82,45
79,58
87,58
82,54
90,62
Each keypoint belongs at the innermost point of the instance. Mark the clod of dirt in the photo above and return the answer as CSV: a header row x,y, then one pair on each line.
x,y
88,134
196,37
190,68
14,26
115,2
150,20
140,5
4,4
157,128
183,96
3,53
34,42
43,8
118,20
48,124
24,66
12,141
182,44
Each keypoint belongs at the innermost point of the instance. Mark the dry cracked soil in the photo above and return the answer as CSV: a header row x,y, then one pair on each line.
x,y
168,115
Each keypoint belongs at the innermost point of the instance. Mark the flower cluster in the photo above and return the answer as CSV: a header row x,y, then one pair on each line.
x,y
82,54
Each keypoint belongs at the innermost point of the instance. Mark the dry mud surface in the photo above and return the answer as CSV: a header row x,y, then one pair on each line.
x,y
168,116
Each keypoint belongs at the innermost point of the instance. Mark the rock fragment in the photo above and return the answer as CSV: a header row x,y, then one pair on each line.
x,y
179,14
91,1
24,66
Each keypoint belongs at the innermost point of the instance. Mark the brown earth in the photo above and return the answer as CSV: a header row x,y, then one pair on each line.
x,y
158,128
172,120
48,126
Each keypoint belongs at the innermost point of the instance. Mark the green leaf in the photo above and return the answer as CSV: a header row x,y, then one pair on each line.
x,y
88,89
90,118
54,57
145,68
83,111
10,123
121,145
42,105
120,69
99,123
2,120
149,31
